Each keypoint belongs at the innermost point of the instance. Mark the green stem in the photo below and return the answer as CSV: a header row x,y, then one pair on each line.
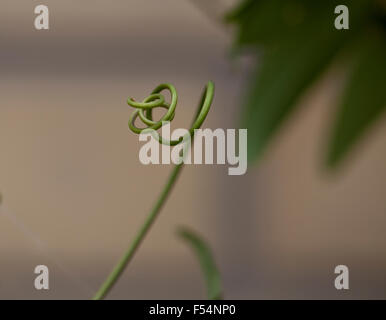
x,y
127,257
144,112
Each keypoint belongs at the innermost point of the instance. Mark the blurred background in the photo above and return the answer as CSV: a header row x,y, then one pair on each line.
x,y
74,192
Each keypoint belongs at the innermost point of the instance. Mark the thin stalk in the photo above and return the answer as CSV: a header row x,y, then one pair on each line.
x,y
127,257
144,112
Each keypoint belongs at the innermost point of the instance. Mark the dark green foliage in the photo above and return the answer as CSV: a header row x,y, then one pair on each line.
x,y
364,98
297,40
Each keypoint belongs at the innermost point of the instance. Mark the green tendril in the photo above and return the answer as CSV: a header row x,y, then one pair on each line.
x,y
144,111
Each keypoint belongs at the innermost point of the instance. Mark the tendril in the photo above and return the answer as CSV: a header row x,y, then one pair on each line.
x,y
144,111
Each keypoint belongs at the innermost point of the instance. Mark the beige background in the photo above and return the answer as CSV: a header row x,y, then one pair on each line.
x,y
75,193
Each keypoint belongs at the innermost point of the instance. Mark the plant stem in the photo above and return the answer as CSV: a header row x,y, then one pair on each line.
x,y
127,257
152,101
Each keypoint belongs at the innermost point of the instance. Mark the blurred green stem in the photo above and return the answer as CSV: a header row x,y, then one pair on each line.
x,y
121,265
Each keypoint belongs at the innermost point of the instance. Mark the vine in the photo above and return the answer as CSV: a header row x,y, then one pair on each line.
x,y
144,111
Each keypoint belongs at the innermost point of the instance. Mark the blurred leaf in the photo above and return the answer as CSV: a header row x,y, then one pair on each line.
x,y
265,22
240,10
204,256
285,73
364,99
290,63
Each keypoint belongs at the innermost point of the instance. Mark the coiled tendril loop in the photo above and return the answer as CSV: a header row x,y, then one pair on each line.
x,y
144,110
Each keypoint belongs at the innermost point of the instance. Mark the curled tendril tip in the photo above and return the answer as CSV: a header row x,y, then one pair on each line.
x,y
144,111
